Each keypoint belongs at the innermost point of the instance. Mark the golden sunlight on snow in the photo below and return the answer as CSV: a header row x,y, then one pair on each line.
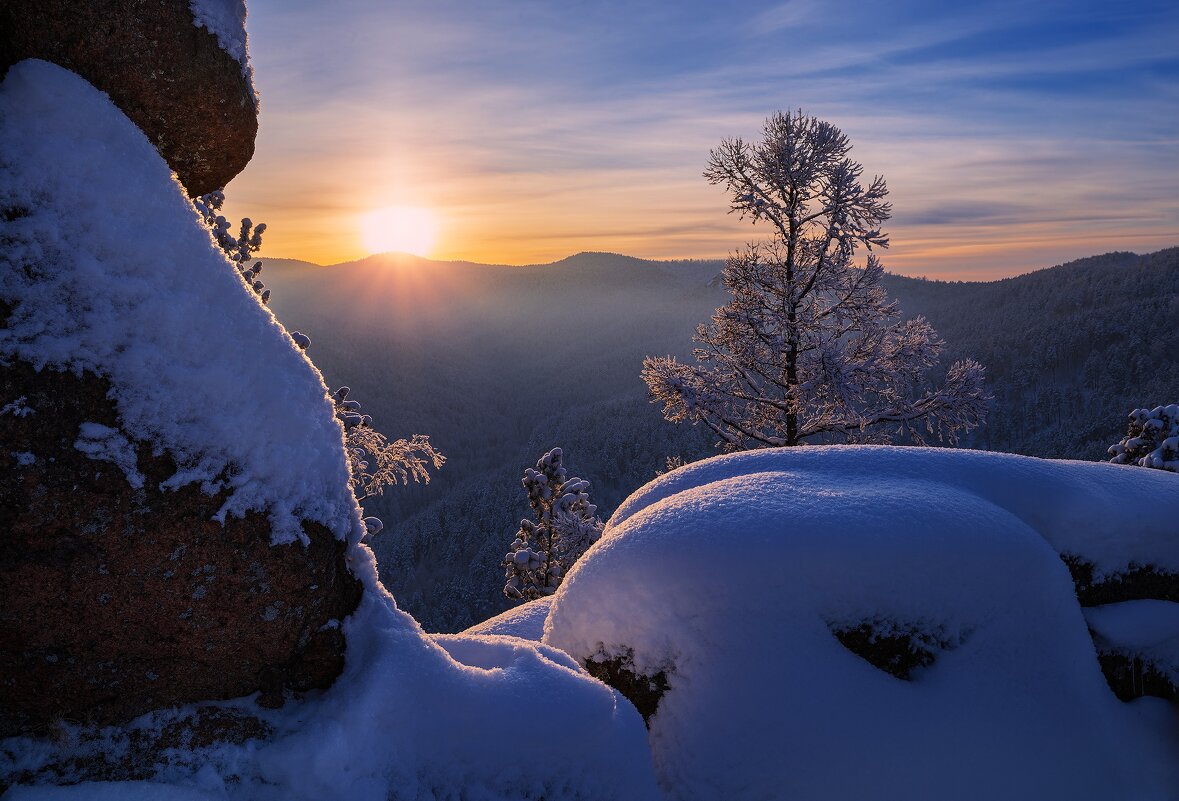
x,y
403,229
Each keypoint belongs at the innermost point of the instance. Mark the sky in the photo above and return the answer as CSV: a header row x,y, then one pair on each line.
x,y
1013,135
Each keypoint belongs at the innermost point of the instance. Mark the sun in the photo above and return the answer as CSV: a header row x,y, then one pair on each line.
x,y
405,229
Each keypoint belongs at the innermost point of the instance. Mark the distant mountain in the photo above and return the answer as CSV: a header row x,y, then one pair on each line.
x,y
498,364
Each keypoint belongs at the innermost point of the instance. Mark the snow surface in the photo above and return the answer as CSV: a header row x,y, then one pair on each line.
x,y
1110,515
525,621
731,574
1146,628
198,366
416,718
110,791
225,19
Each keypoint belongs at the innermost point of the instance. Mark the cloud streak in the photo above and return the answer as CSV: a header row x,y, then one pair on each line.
x,y
1011,134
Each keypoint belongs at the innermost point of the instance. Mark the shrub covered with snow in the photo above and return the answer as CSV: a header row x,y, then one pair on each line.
x,y
874,622
373,461
565,527
238,249
1152,441
199,368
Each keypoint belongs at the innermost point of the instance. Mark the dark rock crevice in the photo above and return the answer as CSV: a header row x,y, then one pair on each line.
x,y
644,691
898,649
1130,676
1137,582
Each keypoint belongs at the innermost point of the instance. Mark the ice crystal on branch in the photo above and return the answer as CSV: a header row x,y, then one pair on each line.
x,y
564,529
1152,441
809,346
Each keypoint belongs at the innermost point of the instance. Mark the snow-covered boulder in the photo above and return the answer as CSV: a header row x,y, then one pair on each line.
x,y
174,497
876,622
412,717
178,69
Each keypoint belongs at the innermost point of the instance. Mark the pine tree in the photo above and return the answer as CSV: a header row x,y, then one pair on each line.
x,y
809,347
238,249
565,527
1153,439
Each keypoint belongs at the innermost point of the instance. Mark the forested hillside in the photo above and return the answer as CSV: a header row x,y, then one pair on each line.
x,y
1069,350
497,364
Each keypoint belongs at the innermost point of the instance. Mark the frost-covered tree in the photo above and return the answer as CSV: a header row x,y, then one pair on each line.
x,y
373,461
809,346
565,527
1152,441
238,249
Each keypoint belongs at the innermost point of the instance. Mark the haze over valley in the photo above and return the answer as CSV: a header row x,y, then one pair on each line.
x,y
498,364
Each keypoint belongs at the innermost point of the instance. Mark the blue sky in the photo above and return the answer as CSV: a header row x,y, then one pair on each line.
x,y
1014,136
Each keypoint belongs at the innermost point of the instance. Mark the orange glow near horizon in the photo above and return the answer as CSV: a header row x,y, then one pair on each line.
x,y
973,254
400,229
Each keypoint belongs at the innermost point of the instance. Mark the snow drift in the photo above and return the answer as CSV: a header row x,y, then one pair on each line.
x,y
735,577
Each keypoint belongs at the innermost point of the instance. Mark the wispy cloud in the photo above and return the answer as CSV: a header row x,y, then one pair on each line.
x,y
1008,131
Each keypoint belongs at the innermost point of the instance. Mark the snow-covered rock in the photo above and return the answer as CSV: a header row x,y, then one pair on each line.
x,y
199,368
225,19
174,435
180,73
412,717
747,581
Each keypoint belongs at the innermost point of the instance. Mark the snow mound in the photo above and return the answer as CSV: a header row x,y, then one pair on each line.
x,y
412,718
1110,515
198,366
744,580
525,621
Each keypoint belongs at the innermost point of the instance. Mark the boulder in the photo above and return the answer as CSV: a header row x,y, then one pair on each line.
x,y
889,621
193,100
118,600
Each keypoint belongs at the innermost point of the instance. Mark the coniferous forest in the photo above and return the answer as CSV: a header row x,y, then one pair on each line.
x,y
1068,351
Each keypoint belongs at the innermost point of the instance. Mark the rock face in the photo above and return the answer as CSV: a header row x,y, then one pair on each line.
x,y
116,601
192,99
